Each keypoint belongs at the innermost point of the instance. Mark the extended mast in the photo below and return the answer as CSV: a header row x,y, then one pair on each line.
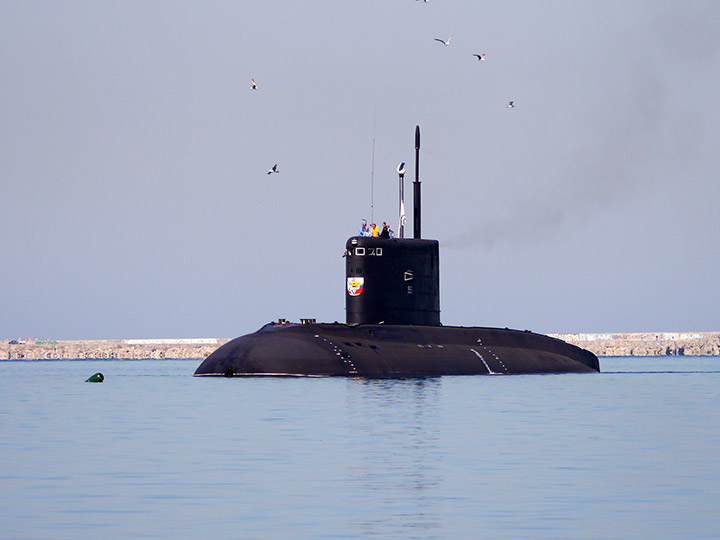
x,y
416,187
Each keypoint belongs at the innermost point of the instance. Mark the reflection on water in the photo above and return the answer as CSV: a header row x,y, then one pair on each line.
x,y
156,453
396,467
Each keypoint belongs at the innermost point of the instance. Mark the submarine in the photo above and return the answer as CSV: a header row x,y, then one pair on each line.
x,y
393,328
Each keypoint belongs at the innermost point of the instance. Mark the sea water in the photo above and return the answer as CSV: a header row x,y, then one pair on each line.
x,y
153,452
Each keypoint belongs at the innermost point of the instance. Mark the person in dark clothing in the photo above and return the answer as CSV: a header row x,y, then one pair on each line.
x,y
385,231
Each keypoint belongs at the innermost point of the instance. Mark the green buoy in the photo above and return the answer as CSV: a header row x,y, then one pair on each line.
x,y
98,377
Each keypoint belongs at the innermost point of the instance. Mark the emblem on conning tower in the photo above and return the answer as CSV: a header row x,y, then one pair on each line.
x,y
355,285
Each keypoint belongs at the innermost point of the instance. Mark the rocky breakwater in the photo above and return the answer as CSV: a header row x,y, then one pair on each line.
x,y
648,344
637,344
134,349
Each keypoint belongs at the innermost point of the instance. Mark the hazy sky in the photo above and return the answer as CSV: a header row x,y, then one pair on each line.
x,y
133,160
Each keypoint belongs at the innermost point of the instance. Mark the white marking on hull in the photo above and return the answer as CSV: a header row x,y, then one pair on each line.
x,y
352,370
490,371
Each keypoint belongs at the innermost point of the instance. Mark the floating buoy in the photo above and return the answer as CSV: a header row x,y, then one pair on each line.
x,y
98,377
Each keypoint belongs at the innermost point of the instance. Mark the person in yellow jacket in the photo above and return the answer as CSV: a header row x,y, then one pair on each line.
x,y
374,230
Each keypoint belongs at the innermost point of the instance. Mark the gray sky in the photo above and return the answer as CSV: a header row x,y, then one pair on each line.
x,y
133,159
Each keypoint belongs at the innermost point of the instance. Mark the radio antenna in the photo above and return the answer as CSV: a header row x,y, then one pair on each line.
x,y
372,174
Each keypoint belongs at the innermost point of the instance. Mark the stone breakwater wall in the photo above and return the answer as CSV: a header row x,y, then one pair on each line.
x,y
639,344
648,344
134,349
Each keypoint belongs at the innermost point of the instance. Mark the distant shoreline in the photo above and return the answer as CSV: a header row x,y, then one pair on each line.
x,y
647,343
617,344
132,349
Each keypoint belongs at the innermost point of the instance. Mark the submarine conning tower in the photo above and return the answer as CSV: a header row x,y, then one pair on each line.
x,y
394,280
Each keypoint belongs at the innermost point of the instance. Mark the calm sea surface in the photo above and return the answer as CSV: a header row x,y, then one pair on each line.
x,y
633,452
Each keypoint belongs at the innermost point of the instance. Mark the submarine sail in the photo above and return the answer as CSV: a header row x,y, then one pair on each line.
x,y
392,281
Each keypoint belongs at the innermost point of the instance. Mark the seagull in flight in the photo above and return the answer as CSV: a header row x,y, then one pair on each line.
x,y
480,57
446,43
253,86
274,169
510,105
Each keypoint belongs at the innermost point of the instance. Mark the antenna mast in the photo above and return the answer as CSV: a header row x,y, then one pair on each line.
x,y
401,174
372,174
416,187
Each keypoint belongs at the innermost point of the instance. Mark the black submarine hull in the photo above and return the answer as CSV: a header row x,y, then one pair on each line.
x,y
375,350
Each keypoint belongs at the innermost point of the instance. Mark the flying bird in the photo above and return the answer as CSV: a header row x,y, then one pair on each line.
x,y
446,43
510,105
274,169
480,57
253,86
